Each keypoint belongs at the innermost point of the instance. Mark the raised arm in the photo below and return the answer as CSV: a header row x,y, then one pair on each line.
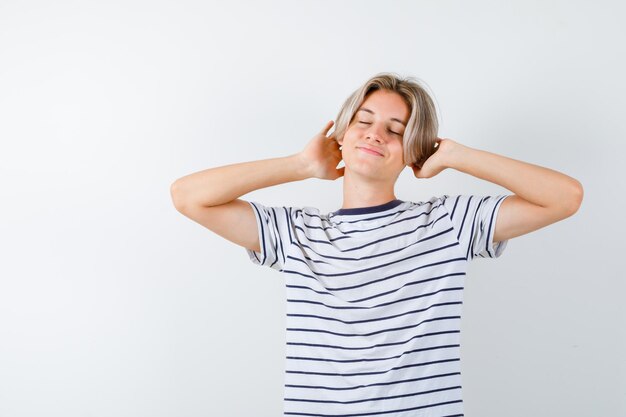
x,y
542,196
210,197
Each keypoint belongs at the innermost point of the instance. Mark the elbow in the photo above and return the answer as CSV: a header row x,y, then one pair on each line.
x,y
175,194
575,198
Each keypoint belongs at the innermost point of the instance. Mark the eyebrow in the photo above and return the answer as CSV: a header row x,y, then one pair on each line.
x,y
393,118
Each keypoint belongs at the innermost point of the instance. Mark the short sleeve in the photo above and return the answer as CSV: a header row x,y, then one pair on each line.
x,y
275,228
474,221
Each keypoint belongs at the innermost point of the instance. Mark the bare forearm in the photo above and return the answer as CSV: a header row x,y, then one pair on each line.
x,y
538,185
215,186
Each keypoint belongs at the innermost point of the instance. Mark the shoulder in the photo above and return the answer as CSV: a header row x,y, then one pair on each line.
x,y
424,209
435,202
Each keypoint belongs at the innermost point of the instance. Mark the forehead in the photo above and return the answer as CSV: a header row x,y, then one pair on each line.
x,y
387,105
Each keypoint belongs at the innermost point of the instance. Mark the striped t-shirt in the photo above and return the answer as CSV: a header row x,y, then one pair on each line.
x,y
374,302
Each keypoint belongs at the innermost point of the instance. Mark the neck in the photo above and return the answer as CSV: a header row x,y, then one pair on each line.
x,y
365,192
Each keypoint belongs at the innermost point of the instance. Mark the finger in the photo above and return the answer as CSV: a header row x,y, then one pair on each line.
x,y
327,127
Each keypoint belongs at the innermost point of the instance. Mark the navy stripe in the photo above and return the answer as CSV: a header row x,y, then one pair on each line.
x,y
374,300
275,234
378,318
343,258
393,329
395,368
371,209
391,397
376,267
328,241
379,412
425,213
472,235
382,294
289,223
278,239
290,300
374,346
491,231
371,359
360,219
355,307
398,261
377,384
456,201
458,236
260,219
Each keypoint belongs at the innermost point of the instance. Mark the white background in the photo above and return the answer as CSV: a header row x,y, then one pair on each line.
x,y
114,304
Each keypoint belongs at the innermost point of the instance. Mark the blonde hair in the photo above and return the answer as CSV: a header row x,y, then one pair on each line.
x,y
420,134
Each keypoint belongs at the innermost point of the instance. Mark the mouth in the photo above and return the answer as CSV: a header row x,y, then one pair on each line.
x,y
369,151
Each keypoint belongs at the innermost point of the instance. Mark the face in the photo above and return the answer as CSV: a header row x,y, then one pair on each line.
x,y
372,144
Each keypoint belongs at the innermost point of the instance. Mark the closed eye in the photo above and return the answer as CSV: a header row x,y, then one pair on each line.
x,y
395,133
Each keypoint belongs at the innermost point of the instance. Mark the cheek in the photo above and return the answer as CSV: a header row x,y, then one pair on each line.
x,y
347,137
399,151
396,145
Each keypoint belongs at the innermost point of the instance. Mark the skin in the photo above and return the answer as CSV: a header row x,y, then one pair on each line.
x,y
541,196
369,180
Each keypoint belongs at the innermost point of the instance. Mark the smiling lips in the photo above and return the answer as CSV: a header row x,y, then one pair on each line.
x,y
370,151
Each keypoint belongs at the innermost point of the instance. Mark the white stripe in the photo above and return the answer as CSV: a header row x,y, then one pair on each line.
x,y
372,326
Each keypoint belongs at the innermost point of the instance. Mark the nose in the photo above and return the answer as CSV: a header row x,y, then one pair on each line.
x,y
374,132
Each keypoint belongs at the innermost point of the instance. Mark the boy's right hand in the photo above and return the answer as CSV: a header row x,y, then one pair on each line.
x,y
322,155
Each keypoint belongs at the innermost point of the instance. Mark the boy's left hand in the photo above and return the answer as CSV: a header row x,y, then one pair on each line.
x,y
438,161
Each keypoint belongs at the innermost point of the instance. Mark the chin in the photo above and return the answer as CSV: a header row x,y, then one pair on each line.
x,y
365,171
